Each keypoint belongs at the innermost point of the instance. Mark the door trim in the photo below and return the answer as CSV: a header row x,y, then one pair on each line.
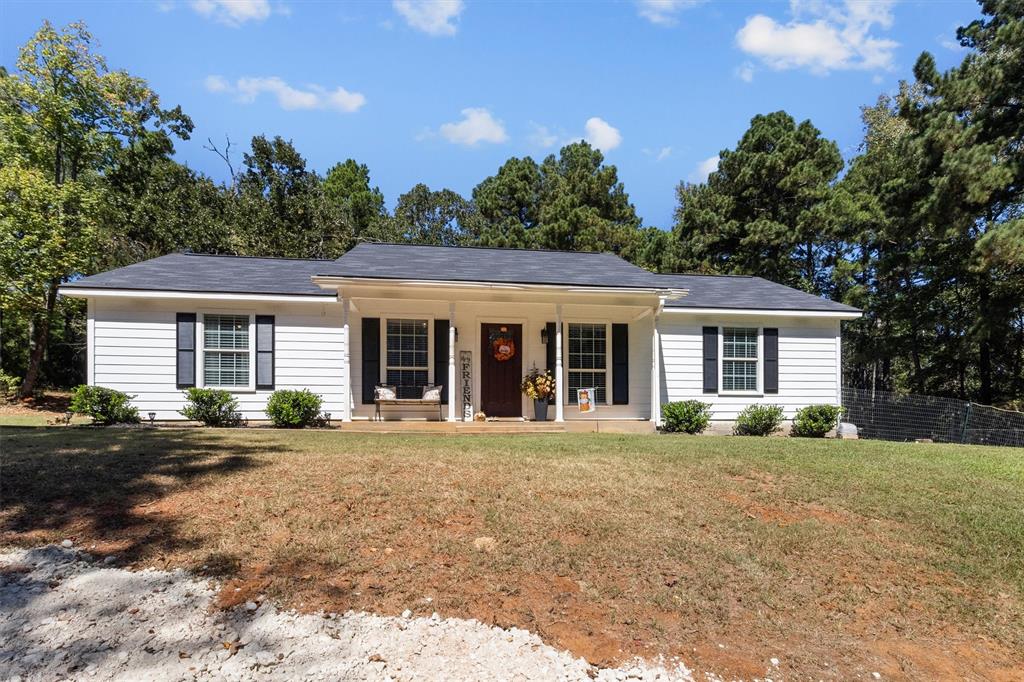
x,y
521,352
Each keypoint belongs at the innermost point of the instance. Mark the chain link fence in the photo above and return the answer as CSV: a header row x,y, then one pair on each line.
x,y
890,416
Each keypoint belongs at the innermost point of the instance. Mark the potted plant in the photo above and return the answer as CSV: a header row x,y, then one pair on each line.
x,y
540,386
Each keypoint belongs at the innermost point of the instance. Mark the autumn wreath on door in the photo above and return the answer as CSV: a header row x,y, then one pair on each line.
x,y
503,346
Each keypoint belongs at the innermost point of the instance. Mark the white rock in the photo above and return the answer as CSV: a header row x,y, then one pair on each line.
x,y
251,606
775,662
407,614
877,676
67,544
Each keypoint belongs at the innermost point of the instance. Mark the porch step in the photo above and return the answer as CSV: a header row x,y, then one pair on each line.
x,y
509,427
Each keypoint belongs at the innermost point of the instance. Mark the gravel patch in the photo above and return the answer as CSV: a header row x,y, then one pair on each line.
x,y
65,614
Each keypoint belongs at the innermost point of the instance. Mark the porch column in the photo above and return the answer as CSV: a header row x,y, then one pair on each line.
x,y
346,363
559,389
452,393
656,369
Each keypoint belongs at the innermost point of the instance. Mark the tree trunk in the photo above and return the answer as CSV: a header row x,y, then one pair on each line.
x,y
984,341
39,336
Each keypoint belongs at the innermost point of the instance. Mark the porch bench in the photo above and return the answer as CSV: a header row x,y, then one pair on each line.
x,y
432,396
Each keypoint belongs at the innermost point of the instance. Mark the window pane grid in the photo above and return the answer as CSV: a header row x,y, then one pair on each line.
x,y
225,368
407,357
588,357
226,332
739,359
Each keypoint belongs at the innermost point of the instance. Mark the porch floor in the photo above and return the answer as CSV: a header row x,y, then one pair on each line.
x,y
511,426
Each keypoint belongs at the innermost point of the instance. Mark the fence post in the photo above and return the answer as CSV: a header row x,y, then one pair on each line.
x,y
967,419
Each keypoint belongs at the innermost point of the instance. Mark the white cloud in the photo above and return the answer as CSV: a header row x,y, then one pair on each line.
x,y
704,169
541,136
233,12
658,154
433,17
477,125
601,134
745,72
248,89
165,5
216,84
822,36
663,12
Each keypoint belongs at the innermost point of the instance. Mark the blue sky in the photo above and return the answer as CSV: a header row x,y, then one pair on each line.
x,y
444,91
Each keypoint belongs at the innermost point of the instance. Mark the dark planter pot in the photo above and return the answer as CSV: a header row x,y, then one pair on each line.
x,y
540,410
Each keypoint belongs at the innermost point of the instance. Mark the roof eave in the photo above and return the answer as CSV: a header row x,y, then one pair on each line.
x,y
771,312
172,294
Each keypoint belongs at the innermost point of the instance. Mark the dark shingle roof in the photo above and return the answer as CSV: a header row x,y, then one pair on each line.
x,y
192,272
737,291
189,272
478,264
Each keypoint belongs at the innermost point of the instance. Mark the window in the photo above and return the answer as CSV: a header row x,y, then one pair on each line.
x,y
739,359
226,351
588,351
407,357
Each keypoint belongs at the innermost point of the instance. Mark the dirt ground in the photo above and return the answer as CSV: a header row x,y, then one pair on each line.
x,y
838,559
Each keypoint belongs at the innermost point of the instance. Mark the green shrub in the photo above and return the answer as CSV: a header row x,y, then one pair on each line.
x,y
105,405
689,416
758,420
294,409
814,421
212,407
8,386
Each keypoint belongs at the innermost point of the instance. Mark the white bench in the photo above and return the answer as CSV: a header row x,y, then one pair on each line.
x,y
406,402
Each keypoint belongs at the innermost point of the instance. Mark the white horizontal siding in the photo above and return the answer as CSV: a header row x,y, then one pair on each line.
x,y
807,363
134,351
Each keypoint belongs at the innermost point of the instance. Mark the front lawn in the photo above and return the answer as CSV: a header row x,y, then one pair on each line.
x,y
839,558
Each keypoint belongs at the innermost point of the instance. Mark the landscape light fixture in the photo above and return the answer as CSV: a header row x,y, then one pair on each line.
x,y
152,418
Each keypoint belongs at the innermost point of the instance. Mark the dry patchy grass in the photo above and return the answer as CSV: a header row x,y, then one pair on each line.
x,y
840,558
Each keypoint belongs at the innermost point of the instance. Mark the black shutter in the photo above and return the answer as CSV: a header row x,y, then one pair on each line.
x,y
186,350
550,352
710,359
771,360
371,357
620,364
441,357
265,351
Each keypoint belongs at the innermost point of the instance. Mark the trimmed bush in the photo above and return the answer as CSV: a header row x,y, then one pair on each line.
x,y
8,386
688,416
212,407
294,409
105,405
758,420
814,421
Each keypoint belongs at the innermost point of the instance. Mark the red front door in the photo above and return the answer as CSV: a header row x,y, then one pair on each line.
x,y
501,369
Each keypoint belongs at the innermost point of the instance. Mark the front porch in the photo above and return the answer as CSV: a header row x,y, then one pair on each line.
x,y
477,341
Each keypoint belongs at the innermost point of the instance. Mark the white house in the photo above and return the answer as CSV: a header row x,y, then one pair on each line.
x,y
412,316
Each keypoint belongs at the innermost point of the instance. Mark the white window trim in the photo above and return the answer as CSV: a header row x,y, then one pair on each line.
x,y
607,357
384,345
201,342
760,362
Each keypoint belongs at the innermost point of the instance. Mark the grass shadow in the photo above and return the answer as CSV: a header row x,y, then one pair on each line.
x,y
100,483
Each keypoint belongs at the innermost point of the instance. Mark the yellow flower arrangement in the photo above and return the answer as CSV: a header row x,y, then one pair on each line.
x,y
538,384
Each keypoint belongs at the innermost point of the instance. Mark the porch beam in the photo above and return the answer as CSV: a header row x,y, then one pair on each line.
x,y
656,367
346,380
451,362
559,389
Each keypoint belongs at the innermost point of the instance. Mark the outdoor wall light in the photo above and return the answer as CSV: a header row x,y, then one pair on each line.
x,y
544,335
